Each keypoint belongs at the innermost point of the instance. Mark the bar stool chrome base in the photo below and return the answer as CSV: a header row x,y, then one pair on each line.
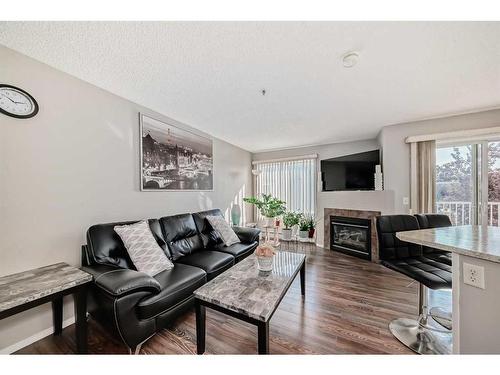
x,y
442,317
419,339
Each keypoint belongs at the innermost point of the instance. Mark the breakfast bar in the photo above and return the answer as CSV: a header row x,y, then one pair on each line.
x,y
476,282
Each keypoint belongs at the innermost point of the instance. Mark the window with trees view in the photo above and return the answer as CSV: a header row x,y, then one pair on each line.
x,y
468,183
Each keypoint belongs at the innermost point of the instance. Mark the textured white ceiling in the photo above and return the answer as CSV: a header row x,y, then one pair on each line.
x,y
210,74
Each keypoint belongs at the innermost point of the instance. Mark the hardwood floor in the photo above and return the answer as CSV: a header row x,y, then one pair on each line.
x,y
348,305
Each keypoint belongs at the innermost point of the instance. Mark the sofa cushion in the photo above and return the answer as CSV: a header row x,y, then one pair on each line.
x,y
176,284
212,262
181,235
106,247
239,250
143,249
223,229
209,236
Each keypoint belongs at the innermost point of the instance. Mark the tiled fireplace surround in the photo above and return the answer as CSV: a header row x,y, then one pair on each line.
x,y
361,214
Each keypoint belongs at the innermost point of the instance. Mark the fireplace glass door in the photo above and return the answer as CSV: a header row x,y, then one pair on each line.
x,y
353,237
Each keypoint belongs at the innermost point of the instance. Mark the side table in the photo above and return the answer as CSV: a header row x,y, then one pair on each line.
x,y
25,290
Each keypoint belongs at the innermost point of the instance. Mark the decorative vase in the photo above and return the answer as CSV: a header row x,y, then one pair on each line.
x,y
277,223
303,233
295,230
379,178
311,232
236,214
265,264
287,234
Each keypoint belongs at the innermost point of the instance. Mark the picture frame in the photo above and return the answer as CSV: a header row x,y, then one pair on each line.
x,y
173,158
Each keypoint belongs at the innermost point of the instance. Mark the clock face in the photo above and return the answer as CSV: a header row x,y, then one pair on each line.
x,y
16,102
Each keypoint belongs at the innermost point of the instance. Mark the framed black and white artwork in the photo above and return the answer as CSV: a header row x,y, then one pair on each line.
x,y
173,158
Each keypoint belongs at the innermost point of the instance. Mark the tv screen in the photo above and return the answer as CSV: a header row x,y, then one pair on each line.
x,y
351,172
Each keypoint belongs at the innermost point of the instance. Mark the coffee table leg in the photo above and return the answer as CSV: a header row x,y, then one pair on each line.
x,y
303,279
263,337
57,315
200,327
81,320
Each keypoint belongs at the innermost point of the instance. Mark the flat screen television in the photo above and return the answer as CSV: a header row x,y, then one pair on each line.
x,y
351,172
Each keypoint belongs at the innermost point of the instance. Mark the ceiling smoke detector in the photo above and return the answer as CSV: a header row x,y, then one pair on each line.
x,y
350,59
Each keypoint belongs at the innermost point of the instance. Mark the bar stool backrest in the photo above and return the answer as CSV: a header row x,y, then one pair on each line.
x,y
390,247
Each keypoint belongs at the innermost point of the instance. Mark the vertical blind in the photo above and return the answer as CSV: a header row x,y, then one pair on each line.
x,y
293,181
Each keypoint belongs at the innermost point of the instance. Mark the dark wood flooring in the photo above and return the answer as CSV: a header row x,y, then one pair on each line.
x,y
348,305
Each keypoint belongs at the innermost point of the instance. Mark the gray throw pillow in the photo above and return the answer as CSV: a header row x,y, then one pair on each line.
x,y
225,231
144,251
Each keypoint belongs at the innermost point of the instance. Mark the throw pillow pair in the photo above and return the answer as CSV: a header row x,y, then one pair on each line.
x,y
147,255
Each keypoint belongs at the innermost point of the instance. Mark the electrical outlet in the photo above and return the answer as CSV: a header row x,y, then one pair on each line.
x,y
406,201
474,275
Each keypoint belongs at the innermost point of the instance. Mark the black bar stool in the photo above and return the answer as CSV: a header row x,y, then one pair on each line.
x,y
426,221
423,336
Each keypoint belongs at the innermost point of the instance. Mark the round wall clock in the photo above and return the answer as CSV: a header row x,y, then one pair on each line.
x,y
16,102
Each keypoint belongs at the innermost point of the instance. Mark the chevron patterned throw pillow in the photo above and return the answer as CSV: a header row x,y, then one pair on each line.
x,y
146,254
224,229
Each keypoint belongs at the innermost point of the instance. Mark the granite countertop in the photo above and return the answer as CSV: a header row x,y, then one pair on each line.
x,y
245,290
27,286
476,241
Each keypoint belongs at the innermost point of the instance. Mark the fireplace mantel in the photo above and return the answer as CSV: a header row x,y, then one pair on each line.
x,y
361,214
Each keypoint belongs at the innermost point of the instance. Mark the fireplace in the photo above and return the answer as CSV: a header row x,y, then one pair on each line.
x,y
351,235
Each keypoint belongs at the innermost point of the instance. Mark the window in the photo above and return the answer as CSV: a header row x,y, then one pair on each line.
x,y
468,182
293,181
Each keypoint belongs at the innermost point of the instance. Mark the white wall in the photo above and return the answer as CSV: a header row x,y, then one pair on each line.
x,y
76,164
358,200
396,153
476,311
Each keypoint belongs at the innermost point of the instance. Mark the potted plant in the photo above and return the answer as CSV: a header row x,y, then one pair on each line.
x,y
311,223
295,227
269,206
265,255
303,227
290,219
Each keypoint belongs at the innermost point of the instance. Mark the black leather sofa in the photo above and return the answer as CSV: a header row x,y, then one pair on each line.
x,y
134,305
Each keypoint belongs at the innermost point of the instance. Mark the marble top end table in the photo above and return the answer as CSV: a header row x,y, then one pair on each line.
x,y
25,290
248,294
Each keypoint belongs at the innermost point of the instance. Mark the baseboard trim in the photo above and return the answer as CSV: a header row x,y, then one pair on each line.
x,y
37,336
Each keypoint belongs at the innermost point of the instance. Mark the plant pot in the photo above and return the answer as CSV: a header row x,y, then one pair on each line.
x,y
269,222
303,233
287,234
311,232
277,222
265,264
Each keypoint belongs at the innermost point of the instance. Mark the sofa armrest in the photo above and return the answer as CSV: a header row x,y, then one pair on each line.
x,y
247,235
121,281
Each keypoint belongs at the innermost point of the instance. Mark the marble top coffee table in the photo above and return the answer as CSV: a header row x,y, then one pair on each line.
x,y
246,293
25,290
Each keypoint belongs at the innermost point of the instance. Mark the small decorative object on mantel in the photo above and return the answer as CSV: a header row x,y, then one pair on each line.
x,y
265,255
379,178
16,102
